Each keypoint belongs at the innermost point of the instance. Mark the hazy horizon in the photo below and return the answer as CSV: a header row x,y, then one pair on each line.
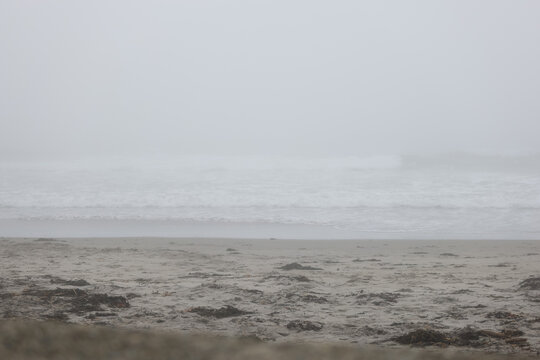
x,y
298,78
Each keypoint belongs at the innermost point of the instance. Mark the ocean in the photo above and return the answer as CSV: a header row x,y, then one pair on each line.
x,y
451,196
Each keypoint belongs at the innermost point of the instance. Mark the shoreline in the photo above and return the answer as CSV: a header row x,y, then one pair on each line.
x,y
85,228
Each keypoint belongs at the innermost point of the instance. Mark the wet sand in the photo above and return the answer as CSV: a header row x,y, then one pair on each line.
x,y
458,295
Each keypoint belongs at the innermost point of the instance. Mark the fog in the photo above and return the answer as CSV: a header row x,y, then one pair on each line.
x,y
318,78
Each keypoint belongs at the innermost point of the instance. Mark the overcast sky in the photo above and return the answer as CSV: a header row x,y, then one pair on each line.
x,y
324,78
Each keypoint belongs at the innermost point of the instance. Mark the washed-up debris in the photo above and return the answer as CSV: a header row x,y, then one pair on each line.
x,y
517,341
213,285
532,283
448,254
253,291
79,282
367,260
307,298
405,290
4,296
314,299
467,336
299,278
477,306
501,265
93,302
132,295
511,332
378,299
203,275
503,315
371,331
80,300
297,266
43,293
423,337
461,291
58,316
304,325
444,300
100,314
223,312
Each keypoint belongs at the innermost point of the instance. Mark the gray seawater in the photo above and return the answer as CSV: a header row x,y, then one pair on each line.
x,y
399,197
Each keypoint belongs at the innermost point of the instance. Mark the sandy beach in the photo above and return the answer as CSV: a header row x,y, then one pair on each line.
x,y
269,180
466,295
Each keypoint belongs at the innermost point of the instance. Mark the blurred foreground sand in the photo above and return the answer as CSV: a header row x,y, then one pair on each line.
x,y
31,340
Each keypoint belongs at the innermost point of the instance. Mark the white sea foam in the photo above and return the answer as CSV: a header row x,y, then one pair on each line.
x,y
376,194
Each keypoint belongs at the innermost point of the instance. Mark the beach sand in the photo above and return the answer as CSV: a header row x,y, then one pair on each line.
x,y
458,295
30,340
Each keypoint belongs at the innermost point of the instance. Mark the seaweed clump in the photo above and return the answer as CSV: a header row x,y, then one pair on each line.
x,y
304,325
223,312
467,336
297,266
80,300
532,283
424,337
